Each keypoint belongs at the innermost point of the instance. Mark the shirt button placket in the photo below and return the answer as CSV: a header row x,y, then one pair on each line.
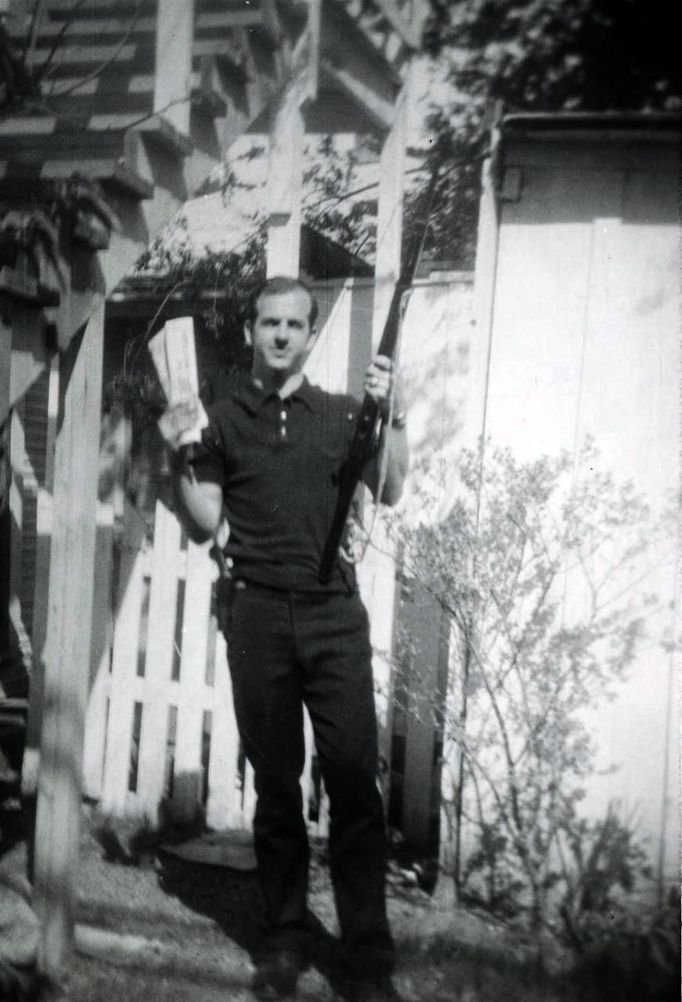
x,y
283,423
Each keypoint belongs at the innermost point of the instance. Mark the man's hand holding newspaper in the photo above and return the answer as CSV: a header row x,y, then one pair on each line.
x,y
174,355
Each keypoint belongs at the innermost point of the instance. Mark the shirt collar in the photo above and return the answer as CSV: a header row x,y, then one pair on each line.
x,y
254,398
309,394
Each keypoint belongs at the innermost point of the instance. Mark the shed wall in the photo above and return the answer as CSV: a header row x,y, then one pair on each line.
x,y
585,342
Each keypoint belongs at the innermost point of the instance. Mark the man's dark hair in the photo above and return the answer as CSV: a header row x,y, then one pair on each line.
x,y
277,286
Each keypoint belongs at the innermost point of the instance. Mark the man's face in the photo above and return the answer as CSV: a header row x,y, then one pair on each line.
x,y
280,335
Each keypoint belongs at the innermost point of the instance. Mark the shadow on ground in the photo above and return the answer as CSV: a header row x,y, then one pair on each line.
x,y
232,900
207,919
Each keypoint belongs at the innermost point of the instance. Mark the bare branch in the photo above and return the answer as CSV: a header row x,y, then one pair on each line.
x,y
29,40
40,74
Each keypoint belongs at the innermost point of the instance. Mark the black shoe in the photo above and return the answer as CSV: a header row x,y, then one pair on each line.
x,y
276,977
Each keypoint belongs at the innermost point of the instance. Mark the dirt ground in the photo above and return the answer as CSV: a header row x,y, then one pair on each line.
x,y
190,930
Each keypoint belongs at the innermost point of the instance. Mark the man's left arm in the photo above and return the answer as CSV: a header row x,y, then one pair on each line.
x,y
392,454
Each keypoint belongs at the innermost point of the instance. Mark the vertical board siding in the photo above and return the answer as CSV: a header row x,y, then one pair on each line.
x,y
584,341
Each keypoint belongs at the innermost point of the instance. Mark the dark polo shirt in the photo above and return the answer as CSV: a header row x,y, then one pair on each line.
x,y
277,462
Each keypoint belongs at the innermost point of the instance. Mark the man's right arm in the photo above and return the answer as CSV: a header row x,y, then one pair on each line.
x,y
200,503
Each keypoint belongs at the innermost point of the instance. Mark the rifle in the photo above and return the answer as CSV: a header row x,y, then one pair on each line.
x,y
369,421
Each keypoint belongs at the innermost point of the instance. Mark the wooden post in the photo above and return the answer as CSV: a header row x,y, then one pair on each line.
x,y
222,810
94,744
5,514
191,691
173,70
41,601
285,162
285,180
390,210
66,655
386,272
5,367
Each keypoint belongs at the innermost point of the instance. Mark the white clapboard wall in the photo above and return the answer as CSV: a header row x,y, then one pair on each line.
x,y
161,738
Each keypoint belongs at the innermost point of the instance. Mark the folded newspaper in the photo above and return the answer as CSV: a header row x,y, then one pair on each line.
x,y
174,355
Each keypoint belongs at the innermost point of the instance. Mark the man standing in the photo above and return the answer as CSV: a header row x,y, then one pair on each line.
x,y
270,459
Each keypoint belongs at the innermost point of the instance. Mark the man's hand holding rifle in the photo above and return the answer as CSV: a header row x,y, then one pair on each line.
x,y
382,383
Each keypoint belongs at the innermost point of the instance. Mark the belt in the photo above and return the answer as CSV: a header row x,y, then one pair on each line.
x,y
240,583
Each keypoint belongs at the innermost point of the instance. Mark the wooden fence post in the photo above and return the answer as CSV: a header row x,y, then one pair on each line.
x,y
126,639
156,684
66,655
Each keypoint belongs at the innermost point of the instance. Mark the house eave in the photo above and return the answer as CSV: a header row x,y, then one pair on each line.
x,y
606,126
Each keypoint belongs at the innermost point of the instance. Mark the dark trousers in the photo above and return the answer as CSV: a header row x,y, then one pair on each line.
x,y
285,650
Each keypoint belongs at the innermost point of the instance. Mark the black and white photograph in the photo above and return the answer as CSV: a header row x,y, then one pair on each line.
x,y
340,471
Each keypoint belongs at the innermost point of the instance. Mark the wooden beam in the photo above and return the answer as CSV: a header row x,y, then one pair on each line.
x,y
285,163
313,29
159,130
351,65
344,41
5,363
31,353
5,514
173,71
386,273
409,31
41,592
263,21
271,18
66,654
390,210
377,108
284,187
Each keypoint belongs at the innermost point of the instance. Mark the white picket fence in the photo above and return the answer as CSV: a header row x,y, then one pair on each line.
x,y
160,731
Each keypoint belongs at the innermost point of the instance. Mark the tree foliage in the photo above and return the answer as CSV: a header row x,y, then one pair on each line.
x,y
336,202
537,55
560,54
541,570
